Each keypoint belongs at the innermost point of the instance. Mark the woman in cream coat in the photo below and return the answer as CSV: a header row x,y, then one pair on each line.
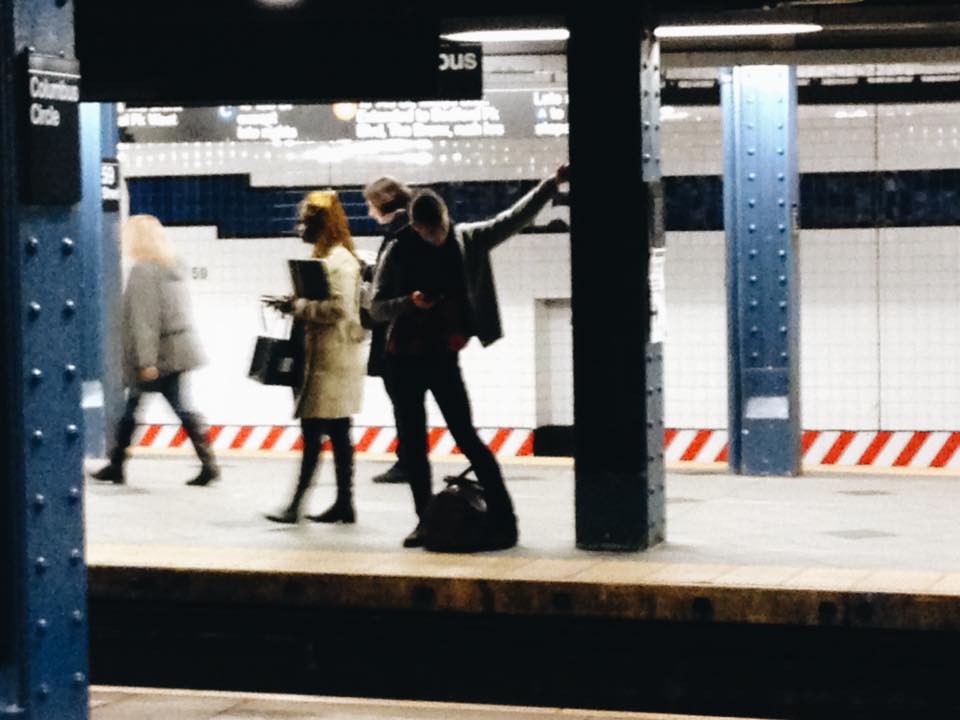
x,y
331,389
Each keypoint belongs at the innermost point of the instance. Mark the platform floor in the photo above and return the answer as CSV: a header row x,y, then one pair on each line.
x,y
110,703
867,523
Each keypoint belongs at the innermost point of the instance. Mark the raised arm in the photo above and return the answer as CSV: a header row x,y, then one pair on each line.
x,y
492,232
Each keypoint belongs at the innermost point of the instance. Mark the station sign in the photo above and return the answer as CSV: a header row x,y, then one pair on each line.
x,y
49,130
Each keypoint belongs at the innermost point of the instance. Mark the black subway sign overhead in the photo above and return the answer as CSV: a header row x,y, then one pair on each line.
x,y
461,71
50,131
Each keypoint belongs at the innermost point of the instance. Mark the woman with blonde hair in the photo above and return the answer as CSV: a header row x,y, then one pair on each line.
x,y
331,388
159,342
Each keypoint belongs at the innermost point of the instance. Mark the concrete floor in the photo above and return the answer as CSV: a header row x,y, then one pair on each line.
x,y
832,521
137,704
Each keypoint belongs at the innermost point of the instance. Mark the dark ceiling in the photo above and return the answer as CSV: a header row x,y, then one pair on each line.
x,y
213,51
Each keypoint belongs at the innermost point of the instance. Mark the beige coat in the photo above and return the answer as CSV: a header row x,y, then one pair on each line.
x,y
334,363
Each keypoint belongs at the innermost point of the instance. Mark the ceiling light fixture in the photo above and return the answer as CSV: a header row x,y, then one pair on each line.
x,y
519,35
758,29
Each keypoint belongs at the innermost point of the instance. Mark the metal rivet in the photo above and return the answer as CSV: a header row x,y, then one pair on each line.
x,y
72,430
35,308
781,202
42,625
68,246
780,151
781,177
751,177
782,279
754,330
646,124
33,245
753,278
77,616
70,307
39,500
783,329
38,436
749,126
783,304
41,564
751,151
754,355
76,556
782,228
79,678
44,690
783,355
754,303
751,228
646,157
752,202
70,369
753,252
74,494
745,431
36,375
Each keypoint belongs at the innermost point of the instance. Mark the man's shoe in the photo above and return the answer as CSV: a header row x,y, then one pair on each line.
x,y
208,473
393,475
110,473
287,517
416,538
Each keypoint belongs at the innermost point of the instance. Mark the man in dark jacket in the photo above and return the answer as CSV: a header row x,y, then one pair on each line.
x,y
435,294
388,200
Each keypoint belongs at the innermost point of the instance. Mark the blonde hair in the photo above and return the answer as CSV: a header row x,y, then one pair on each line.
x,y
145,240
323,222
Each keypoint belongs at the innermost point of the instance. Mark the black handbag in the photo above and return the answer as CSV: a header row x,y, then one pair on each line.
x,y
275,361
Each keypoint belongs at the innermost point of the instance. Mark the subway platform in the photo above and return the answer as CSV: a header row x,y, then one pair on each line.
x,y
771,597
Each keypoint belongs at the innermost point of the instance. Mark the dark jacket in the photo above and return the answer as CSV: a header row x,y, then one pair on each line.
x,y
398,229
391,294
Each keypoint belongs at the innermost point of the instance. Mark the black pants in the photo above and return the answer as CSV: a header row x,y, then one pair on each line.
x,y
390,385
314,430
440,374
168,386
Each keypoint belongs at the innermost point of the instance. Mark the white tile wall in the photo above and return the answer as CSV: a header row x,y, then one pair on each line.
x,y
920,328
695,352
839,330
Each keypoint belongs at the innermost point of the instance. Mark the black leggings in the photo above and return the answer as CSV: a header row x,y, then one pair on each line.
x,y
314,430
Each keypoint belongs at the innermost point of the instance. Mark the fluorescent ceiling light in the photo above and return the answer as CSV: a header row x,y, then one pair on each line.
x,y
704,31
520,35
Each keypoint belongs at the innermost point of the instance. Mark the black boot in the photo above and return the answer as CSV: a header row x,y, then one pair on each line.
x,y
393,475
340,512
342,509
208,473
289,516
110,472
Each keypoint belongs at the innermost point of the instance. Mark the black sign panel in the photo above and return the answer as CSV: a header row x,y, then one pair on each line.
x,y
461,71
49,130
110,184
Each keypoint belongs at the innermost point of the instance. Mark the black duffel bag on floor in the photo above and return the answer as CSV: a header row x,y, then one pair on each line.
x,y
457,519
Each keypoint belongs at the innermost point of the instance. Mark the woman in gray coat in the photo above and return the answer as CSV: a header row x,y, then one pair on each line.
x,y
333,362
159,342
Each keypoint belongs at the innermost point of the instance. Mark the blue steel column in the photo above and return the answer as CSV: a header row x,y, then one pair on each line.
x,y
45,674
761,195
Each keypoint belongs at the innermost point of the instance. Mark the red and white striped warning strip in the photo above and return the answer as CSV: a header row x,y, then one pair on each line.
x,y
880,449
902,449
505,442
